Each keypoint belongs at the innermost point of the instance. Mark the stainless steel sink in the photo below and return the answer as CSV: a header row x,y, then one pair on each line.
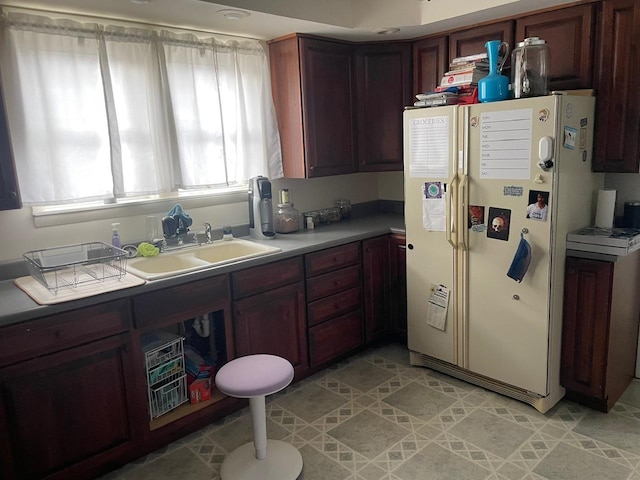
x,y
215,254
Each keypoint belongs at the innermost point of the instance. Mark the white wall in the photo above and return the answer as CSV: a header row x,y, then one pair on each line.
x,y
19,233
627,186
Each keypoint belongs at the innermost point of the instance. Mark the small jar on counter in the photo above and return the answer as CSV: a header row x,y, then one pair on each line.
x,y
311,219
286,219
345,208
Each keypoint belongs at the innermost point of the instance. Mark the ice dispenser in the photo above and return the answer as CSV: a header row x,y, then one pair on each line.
x,y
260,209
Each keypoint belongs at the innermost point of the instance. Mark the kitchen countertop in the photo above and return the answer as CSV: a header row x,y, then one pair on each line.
x,y
16,306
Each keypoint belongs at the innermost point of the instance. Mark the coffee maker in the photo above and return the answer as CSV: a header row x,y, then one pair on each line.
x,y
260,209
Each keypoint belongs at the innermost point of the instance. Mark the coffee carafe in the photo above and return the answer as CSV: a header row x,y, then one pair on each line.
x,y
260,209
529,67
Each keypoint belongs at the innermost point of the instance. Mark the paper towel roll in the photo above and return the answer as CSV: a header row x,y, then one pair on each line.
x,y
605,210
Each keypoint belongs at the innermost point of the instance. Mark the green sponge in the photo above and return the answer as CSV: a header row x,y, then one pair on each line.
x,y
145,249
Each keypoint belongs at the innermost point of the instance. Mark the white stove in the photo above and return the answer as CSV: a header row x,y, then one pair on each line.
x,y
610,241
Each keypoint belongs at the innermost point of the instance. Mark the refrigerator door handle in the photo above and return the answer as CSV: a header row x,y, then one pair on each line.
x,y
451,229
464,211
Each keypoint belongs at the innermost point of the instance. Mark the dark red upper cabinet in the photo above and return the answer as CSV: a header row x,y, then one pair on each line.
x,y
430,62
617,143
384,89
473,40
9,194
313,85
569,32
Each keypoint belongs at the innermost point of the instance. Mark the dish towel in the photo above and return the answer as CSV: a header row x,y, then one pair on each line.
x,y
521,260
182,218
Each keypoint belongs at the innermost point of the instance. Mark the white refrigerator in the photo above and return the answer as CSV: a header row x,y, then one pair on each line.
x,y
491,191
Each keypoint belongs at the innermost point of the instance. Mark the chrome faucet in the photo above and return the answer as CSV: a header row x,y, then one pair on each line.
x,y
207,231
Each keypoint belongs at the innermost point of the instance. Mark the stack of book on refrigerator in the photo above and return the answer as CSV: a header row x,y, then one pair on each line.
x,y
464,73
436,99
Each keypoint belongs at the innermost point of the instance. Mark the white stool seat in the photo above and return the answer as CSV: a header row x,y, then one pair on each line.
x,y
254,377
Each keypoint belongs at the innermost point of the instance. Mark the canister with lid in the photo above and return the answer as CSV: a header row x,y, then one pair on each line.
x,y
529,68
632,214
345,208
286,219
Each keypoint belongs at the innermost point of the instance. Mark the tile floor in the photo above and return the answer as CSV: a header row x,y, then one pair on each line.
x,y
374,417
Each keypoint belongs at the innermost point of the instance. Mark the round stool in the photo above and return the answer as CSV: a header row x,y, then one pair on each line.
x,y
254,377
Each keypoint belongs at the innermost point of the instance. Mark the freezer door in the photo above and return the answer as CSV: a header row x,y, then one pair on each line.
x,y
506,323
430,192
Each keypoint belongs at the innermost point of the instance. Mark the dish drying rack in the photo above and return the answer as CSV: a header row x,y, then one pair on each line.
x,y
72,265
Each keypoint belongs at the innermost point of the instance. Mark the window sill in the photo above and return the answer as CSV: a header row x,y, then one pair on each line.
x,y
45,217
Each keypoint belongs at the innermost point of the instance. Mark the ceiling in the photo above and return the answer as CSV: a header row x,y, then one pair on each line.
x,y
356,20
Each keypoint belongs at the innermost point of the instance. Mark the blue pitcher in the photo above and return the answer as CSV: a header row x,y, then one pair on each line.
x,y
495,86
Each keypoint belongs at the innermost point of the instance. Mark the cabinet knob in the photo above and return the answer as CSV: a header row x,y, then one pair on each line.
x,y
516,297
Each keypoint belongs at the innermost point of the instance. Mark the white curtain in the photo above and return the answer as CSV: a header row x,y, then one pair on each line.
x,y
103,112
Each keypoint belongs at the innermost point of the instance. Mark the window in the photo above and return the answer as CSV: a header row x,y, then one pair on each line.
x,y
102,112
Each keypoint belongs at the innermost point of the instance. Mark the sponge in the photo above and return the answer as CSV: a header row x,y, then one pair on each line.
x,y
145,249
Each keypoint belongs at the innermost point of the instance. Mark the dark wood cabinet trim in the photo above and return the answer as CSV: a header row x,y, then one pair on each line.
x,y
9,192
160,308
63,330
252,281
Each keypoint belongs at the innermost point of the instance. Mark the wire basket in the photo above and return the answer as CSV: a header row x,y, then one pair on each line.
x,y
73,265
164,365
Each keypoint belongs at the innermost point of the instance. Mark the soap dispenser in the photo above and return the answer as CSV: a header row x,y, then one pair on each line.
x,y
115,236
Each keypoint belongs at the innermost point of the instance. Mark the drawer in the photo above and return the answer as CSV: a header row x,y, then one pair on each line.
x,y
175,304
266,277
334,282
61,331
333,306
332,259
332,338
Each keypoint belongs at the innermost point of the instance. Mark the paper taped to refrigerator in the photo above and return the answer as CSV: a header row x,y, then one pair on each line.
x,y
434,207
429,147
438,306
505,145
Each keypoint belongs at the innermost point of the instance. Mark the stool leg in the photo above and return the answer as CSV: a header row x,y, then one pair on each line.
x,y
259,423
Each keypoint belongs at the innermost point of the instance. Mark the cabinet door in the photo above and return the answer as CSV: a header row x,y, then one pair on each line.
x,y
335,337
473,40
384,88
585,331
9,195
68,412
570,35
398,281
375,265
430,62
617,142
328,106
273,322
